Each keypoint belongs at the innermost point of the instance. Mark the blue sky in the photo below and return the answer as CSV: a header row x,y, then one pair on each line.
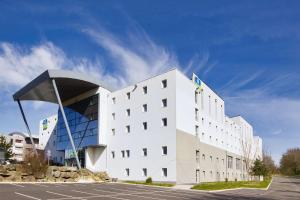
x,y
247,51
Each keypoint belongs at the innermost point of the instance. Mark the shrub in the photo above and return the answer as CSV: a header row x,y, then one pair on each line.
x,y
149,180
35,165
226,179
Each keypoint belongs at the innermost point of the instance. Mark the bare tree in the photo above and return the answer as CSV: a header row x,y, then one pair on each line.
x,y
249,153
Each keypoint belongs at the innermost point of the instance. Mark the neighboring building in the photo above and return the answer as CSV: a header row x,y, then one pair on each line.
x,y
21,144
163,127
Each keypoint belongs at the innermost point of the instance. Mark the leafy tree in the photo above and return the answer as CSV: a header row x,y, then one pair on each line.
x,y
290,162
259,169
6,146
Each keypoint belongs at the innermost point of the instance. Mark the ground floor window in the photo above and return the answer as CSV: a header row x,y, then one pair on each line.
x,y
164,172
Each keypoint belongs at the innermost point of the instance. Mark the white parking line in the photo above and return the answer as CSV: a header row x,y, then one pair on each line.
x,y
17,185
63,195
28,196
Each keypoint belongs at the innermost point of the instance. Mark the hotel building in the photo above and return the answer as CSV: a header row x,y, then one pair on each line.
x,y
166,127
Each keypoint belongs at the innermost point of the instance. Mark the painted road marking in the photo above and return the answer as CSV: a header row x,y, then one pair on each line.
x,y
17,185
63,195
27,196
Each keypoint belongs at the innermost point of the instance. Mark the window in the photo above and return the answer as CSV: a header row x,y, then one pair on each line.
x,y
123,153
127,129
164,172
114,100
210,158
113,154
145,127
164,122
229,164
113,116
164,150
128,95
145,108
238,163
196,114
197,130
127,171
128,112
127,153
164,83
164,103
203,156
197,155
18,141
145,152
196,97
145,90
113,131
145,172
202,120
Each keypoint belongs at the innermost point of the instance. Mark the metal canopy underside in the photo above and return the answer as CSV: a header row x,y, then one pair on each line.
x,y
69,84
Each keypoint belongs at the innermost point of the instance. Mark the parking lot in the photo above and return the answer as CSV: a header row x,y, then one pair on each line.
x,y
281,188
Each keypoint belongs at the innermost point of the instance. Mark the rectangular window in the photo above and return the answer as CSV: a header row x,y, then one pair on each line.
x,y
145,127
238,163
127,129
197,130
145,172
196,97
164,103
127,171
196,114
210,158
113,116
123,153
127,153
197,156
164,150
114,100
229,163
164,122
145,108
128,112
164,172
128,95
113,131
113,154
164,83
203,156
145,90
145,152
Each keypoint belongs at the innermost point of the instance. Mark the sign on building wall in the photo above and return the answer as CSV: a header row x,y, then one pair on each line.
x,y
197,82
45,124
69,153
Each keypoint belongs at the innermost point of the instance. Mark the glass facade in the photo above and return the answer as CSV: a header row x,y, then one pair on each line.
x,y
82,117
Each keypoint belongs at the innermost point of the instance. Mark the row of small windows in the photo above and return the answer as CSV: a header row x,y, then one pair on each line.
x,y
164,172
126,153
164,123
164,84
218,174
164,103
229,160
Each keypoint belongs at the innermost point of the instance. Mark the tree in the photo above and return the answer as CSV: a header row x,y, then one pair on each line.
x,y
290,162
269,163
7,147
259,169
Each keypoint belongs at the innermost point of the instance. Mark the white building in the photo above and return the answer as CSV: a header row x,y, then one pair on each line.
x,y
164,127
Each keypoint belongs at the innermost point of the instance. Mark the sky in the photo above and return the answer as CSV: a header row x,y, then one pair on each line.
x,y
247,51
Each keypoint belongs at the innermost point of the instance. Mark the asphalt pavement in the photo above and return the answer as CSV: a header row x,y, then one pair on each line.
x,y
281,188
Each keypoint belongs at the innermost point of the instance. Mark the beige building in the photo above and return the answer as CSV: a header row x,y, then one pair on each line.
x,y
21,144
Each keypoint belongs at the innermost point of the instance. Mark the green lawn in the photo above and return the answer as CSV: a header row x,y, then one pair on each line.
x,y
232,185
156,184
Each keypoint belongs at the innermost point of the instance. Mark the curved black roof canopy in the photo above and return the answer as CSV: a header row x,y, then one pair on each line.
x,y
70,84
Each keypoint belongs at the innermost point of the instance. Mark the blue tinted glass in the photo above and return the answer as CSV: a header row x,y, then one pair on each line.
x,y
82,118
